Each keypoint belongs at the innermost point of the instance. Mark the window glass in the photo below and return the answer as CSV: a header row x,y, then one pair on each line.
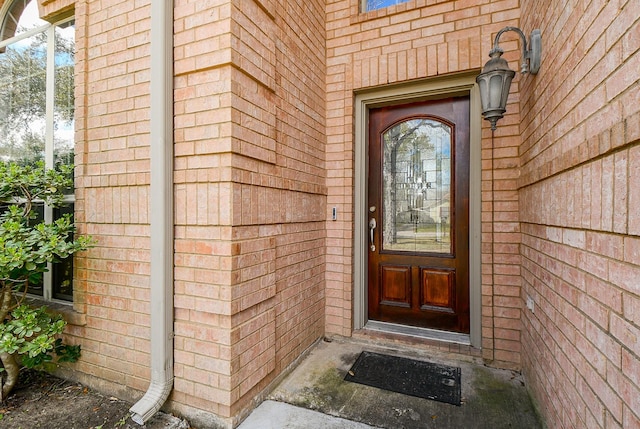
x,y
37,288
37,110
23,80
370,5
63,116
62,272
61,282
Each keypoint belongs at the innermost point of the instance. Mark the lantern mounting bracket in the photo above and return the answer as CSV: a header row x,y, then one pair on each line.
x,y
530,51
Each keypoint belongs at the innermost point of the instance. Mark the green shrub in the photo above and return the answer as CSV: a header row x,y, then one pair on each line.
x,y
28,336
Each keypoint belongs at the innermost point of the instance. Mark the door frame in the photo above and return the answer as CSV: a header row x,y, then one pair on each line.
x,y
444,87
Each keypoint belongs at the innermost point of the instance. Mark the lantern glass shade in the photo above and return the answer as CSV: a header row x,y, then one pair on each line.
x,y
495,80
494,88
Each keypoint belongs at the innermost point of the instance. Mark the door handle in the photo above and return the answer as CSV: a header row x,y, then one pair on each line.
x,y
372,227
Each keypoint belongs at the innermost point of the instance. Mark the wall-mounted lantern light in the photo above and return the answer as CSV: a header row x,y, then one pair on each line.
x,y
495,79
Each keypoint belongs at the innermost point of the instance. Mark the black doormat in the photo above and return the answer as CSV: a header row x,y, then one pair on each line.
x,y
407,376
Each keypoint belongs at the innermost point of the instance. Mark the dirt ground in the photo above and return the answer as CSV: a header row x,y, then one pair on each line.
x,y
41,400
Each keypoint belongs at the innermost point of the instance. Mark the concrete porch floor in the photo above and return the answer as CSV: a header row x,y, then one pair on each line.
x,y
315,395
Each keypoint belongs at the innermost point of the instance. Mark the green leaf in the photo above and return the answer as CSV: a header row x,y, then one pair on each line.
x,y
27,245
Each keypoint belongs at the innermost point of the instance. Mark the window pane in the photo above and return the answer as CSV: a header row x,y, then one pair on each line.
x,y
22,100
63,126
417,187
63,141
62,272
35,288
379,4
33,111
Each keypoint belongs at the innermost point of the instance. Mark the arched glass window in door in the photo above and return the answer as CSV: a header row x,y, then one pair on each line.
x,y
417,188
37,108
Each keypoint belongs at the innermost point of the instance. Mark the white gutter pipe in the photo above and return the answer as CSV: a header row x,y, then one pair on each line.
x,y
161,214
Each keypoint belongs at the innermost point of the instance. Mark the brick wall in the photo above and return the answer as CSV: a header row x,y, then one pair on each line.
x,y
52,10
416,40
264,147
279,192
250,196
579,202
112,178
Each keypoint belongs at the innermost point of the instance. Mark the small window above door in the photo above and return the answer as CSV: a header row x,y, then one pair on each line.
x,y
369,5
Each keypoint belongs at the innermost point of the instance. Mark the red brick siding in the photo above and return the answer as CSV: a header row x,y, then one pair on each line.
x,y
250,195
578,206
279,193
112,177
51,10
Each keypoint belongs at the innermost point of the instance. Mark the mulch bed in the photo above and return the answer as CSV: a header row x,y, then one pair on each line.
x,y
41,400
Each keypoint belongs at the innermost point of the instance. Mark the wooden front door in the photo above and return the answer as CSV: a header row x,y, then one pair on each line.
x,y
418,214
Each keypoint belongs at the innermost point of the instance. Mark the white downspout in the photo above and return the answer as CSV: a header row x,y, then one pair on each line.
x,y
161,214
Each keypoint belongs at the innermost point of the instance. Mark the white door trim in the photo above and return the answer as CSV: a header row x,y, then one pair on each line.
x,y
462,84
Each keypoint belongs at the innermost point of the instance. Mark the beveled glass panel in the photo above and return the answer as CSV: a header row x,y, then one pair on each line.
x,y
416,183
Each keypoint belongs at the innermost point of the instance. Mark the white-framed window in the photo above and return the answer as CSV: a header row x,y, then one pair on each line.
x,y
369,5
37,109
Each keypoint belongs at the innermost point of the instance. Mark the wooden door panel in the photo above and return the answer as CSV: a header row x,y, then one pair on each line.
x,y
395,285
418,200
438,288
